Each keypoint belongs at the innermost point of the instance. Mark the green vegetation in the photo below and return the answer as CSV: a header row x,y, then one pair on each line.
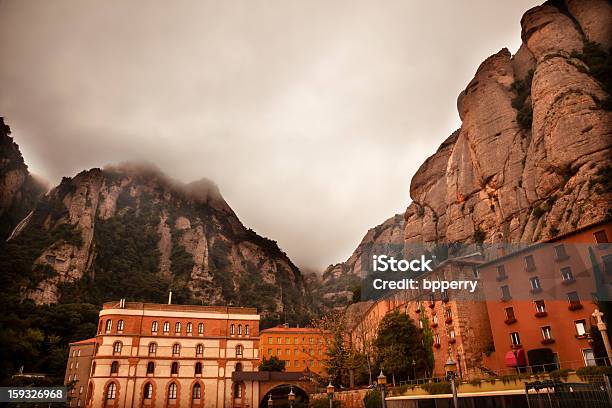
x,y
561,374
479,235
372,399
273,364
600,67
521,102
586,373
437,387
323,403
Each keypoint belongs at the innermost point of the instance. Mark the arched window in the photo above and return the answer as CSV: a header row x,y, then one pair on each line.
x,y
120,325
114,367
199,350
109,325
150,367
198,368
166,327
237,390
246,330
239,329
172,391
111,391
196,393
174,368
177,327
239,350
232,329
200,328
176,349
238,367
189,327
154,327
148,391
117,347
93,368
152,349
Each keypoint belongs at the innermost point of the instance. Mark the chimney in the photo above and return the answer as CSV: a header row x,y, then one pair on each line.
x,y
170,298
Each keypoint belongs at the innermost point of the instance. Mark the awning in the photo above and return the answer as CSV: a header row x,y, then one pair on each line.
x,y
515,358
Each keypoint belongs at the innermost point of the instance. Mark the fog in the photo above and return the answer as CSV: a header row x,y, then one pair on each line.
x,y
311,116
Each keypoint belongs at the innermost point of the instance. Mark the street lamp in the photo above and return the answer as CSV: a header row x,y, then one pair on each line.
x,y
382,382
291,397
413,369
330,393
270,402
451,375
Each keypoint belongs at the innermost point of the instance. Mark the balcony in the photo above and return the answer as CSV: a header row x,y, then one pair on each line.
x,y
510,320
573,306
541,314
547,341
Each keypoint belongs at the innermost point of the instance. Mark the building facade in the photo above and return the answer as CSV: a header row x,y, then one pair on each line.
x,y
78,368
300,348
459,324
156,355
541,297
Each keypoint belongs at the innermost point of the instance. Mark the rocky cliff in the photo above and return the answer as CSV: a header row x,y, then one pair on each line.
x,y
532,157
19,191
131,232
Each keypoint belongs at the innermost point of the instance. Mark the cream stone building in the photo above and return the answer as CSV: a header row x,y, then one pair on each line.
x,y
156,355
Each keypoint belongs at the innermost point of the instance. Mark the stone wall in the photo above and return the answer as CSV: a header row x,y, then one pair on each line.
x,y
348,399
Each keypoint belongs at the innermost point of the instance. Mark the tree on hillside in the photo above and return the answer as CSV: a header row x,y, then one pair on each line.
x,y
399,342
273,364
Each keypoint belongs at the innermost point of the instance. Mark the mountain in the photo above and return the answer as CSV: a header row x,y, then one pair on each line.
x,y
532,156
19,191
131,232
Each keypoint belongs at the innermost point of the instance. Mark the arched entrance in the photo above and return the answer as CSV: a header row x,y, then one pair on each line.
x,y
280,397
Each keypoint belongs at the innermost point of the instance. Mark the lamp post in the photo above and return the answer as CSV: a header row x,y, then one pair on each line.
x,y
330,393
291,397
382,382
270,402
451,375
413,369
603,329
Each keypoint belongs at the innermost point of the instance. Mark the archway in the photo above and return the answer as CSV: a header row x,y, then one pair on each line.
x,y
280,398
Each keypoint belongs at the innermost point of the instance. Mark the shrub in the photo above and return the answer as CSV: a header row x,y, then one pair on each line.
x,y
323,403
475,382
524,110
585,373
479,235
372,399
538,212
437,388
560,374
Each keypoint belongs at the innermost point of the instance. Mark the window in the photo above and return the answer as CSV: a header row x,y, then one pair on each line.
x,y
432,298
529,263
232,329
269,352
451,333
198,368
172,391
437,338
237,390
540,306
279,352
154,327
166,327
239,329
269,340
501,272
475,273
176,349
174,368
510,313
238,367
152,349
448,314
177,327
117,347
515,339
434,319
148,391
79,402
601,237
246,329
109,325
420,323
546,332
566,273
505,292
296,363
573,298
589,357
111,391
120,325
535,283
295,340
189,328
80,390
287,340
150,367
199,350
114,367
196,393
280,340
200,328
560,253
239,350
580,327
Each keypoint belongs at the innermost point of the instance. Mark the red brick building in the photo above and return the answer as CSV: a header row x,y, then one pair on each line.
x,y
541,297
78,369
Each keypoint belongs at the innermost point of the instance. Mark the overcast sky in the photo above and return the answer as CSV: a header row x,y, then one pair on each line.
x,y
311,116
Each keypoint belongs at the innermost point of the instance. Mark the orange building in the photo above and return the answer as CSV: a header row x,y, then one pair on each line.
x,y
158,355
541,297
78,368
300,348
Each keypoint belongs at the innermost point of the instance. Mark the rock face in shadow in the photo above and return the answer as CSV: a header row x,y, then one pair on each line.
x,y
531,159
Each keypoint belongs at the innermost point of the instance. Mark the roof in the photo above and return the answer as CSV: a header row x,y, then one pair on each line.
x,y
180,308
284,329
86,341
